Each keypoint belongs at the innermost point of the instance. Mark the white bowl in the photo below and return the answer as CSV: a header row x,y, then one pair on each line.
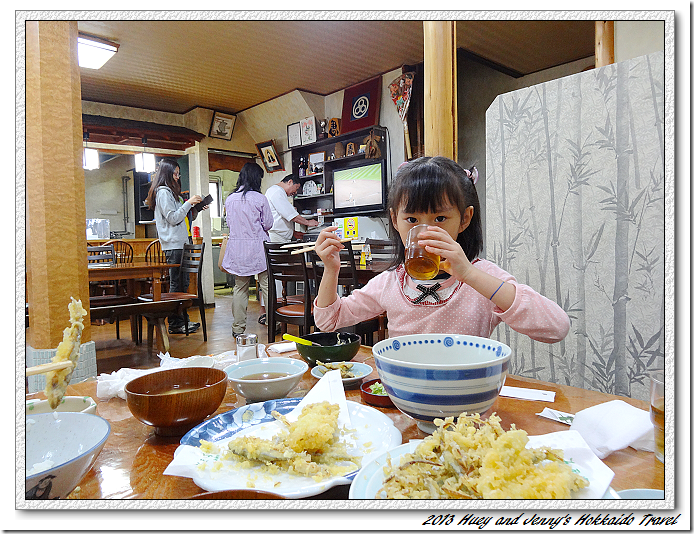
x,y
266,389
431,376
641,493
68,404
65,445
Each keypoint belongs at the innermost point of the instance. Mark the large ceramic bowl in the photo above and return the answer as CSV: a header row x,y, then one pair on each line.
x,y
335,347
175,400
257,380
429,376
60,450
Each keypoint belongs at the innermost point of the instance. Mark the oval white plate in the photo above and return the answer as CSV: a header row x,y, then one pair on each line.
x,y
370,478
375,434
361,370
67,404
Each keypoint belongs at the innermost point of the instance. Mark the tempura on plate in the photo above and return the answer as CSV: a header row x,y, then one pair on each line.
x,y
473,458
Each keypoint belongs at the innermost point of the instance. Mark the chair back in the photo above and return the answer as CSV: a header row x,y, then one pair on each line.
x,y
191,262
101,254
384,249
153,252
283,267
122,249
347,277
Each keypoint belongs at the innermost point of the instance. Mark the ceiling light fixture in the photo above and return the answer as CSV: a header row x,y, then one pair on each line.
x,y
144,161
93,52
90,156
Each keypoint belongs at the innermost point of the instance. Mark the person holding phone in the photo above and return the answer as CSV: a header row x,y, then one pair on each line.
x,y
173,228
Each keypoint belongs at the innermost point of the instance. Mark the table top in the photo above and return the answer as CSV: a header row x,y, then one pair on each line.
x,y
133,459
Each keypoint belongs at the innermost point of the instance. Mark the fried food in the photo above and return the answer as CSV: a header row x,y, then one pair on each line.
x,y
309,446
477,459
343,367
68,349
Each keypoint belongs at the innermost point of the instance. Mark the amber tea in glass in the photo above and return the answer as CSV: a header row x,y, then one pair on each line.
x,y
420,264
658,412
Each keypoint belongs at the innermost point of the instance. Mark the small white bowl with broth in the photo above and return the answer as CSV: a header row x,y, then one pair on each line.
x,y
265,379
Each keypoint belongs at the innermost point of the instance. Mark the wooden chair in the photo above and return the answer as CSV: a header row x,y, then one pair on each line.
x,y
105,254
154,253
191,263
123,253
285,267
101,254
382,249
347,278
155,313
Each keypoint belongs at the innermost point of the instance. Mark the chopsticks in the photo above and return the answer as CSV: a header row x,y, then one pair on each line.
x,y
48,367
313,247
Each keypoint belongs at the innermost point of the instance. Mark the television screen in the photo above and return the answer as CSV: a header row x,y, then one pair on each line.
x,y
359,188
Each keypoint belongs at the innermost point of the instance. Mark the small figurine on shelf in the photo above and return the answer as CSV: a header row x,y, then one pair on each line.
x,y
323,129
302,167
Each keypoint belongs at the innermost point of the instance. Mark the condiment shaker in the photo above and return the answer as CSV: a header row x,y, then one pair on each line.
x,y
246,346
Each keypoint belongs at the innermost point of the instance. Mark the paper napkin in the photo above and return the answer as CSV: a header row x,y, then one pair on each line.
x,y
614,425
556,415
329,388
527,394
282,347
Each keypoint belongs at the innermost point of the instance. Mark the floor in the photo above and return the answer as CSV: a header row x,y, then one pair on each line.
x,y
112,353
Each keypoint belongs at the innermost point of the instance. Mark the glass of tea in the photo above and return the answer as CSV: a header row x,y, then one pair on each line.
x,y
658,411
420,264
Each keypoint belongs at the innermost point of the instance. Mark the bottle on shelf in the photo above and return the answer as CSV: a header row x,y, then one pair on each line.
x,y
302,167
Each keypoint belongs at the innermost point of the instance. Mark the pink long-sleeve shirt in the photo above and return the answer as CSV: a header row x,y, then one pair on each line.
x,y
461,309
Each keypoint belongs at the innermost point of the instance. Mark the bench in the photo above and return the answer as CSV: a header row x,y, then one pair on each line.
x,y
155,313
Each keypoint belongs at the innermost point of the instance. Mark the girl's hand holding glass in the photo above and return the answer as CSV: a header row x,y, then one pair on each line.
x,y
438,241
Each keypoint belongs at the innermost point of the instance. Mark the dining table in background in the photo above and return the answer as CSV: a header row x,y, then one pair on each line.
x,y
133,460
130,272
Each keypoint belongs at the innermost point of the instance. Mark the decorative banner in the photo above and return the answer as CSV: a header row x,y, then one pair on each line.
x,y
361,105
400,93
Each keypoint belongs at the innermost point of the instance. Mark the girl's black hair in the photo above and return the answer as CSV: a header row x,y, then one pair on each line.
x,y
164,176
250,177
424,185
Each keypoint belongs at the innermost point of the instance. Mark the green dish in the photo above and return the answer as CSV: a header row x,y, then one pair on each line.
x,y
330,351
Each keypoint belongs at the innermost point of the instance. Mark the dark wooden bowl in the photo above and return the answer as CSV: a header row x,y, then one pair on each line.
x,y
237,494
175,400
329,351
376,400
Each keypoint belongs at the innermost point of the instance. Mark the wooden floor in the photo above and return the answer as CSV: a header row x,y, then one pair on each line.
x,y
112,353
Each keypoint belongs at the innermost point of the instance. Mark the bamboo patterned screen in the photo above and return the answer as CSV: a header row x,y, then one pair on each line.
x,y
575,209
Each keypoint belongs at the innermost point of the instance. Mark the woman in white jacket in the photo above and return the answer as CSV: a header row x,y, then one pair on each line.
x,y
171,217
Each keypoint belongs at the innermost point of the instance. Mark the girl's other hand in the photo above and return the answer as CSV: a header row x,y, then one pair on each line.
x,y
438,241
328,247
195,199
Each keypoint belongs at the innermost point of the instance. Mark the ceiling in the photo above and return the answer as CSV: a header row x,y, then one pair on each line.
x,y
231,66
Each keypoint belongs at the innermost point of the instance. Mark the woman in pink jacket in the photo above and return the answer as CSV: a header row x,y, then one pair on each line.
x,y
249,218
469,295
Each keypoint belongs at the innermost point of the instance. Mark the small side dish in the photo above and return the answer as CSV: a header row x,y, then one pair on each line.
x,y
373,392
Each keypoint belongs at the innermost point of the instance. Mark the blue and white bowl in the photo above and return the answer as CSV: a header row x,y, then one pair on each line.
x,y
441,375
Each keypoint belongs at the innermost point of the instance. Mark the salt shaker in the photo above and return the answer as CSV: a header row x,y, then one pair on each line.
x,y
246,346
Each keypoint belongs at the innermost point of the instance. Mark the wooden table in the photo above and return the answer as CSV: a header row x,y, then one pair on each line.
x,y
133,460
131,272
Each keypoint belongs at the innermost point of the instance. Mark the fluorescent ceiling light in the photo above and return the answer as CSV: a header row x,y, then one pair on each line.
x,y
94,53
144,162
90,159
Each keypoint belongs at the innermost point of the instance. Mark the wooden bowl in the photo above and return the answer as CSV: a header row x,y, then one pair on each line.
x,y
175,400
376,400
237,494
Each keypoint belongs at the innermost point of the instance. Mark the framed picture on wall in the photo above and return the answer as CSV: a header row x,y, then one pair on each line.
x,y
361,105
294,135
308,130
270,156
222,125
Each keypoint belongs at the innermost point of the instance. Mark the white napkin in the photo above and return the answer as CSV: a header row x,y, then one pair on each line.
x,y
113,385
329,388
614,425
282,347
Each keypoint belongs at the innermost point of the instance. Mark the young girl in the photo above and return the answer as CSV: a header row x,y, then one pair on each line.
x,y
170,212
469,296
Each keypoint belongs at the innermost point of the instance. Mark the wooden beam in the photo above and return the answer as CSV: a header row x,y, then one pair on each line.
x,y
440,90
604,43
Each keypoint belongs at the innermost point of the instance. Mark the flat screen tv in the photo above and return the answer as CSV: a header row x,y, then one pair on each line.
x,y
360,187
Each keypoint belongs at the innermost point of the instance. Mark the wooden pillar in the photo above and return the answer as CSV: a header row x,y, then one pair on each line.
x,y
440,86
56,240
604,43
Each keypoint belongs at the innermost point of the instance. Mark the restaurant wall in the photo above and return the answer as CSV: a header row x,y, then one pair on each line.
x,y
575,171
104,193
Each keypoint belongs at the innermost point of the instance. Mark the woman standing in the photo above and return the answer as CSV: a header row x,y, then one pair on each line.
x,y
249,218
170,215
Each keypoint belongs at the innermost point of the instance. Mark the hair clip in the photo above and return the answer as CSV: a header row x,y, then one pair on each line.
x,y
472,174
